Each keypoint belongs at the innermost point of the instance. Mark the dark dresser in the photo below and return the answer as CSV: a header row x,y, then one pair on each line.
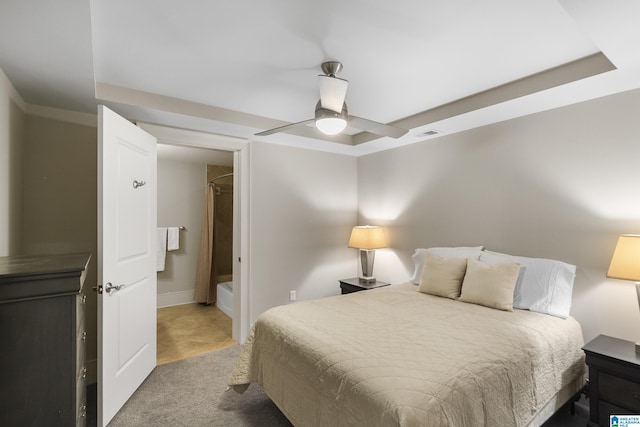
x,y
614,379
42,340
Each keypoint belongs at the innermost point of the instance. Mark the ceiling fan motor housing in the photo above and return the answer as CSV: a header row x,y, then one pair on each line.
x,y
331,68
323,113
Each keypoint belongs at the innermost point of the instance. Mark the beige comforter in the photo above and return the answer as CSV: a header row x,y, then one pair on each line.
x,y
396,357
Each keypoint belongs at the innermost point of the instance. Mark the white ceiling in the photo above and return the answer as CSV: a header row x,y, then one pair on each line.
x,y
239,67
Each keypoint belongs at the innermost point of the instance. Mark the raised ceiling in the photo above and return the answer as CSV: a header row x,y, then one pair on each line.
x,y
239,67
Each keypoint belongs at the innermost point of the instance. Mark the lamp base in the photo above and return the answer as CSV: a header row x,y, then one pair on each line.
x,y
367,256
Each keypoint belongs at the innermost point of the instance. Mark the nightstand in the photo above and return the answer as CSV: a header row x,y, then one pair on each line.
x,y
614,379
354,285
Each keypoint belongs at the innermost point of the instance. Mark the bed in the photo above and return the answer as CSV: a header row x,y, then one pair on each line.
x,y
398,356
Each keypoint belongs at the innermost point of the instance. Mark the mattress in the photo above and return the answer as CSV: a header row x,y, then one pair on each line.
x,y
397,357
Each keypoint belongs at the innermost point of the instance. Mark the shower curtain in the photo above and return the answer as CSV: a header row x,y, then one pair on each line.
x,y
206,279
215,262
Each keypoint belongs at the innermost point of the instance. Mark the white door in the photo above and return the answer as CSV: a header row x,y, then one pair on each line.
x,y
126,260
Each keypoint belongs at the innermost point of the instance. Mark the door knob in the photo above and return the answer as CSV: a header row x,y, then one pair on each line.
x,y
110,287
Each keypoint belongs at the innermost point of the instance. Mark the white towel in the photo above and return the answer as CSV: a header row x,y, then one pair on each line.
x,y
161,248
173,238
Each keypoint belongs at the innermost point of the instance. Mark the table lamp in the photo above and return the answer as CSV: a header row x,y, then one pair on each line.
x,y
625,263
367,238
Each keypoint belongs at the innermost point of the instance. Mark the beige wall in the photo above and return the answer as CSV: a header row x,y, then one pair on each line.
x,y
182,180
60,205
181,187
303,205
562,184
12,119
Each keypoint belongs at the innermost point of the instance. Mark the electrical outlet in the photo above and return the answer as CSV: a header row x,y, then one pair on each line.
x,y
292,295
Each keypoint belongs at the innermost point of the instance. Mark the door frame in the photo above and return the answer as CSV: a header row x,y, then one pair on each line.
x,y
240,148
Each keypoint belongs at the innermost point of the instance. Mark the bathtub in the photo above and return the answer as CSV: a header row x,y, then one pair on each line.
x,y
224,298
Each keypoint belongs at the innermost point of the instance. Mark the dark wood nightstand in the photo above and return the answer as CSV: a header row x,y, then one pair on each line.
x,y
614,379
354,285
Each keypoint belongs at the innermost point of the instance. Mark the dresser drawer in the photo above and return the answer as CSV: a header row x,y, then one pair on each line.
x,y
80,326
81,370
81,373
81,351
81,302
81,403
606,409
620,391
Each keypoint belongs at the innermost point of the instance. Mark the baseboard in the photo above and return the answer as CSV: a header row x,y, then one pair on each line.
x,y
176,298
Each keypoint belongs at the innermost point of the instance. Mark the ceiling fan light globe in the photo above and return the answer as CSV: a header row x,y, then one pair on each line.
x,y
331,125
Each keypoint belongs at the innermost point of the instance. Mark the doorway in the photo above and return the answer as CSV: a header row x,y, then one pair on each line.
x,y
197,215
238,149
127,160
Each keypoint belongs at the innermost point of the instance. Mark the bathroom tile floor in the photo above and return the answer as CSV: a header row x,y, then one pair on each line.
x,y
191,329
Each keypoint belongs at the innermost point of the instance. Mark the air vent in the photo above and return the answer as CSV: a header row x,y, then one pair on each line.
x,y
430,132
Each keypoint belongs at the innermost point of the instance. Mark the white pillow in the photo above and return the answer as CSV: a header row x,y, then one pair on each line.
x,y
544,285
419,257
490,285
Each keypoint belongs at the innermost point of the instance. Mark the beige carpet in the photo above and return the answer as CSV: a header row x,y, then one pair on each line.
x,y
193,392
191,329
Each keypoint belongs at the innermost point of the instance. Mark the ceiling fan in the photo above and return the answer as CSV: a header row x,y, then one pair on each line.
x,y
331,115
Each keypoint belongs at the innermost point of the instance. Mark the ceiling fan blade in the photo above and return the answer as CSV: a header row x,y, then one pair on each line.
x,y
375,127
285,127
332,92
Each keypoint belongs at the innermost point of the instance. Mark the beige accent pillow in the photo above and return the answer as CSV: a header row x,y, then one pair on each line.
x,y
442,276
490,285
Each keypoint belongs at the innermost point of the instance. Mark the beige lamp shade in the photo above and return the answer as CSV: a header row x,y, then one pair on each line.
x,y
367,237
625,263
